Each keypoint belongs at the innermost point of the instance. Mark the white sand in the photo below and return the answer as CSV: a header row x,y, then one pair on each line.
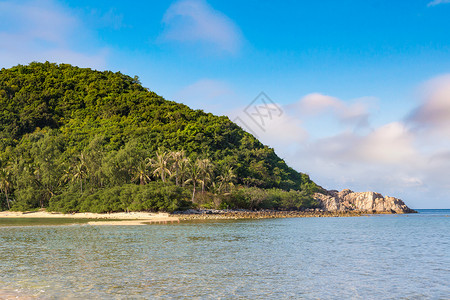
x,y
139,218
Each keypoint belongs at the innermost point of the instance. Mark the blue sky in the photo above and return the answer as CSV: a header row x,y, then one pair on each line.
x,y
363,87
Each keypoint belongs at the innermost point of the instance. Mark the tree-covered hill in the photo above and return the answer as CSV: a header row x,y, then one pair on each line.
x,y
75,139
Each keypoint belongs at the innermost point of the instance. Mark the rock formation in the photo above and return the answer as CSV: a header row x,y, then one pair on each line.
x,y
347,200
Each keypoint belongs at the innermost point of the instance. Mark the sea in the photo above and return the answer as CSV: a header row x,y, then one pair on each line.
x,y
368,257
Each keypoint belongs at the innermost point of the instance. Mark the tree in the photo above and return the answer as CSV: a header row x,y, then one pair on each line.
x,y
141,173
226,180
47,164
194,176
93,155
161,164
6,184
205,168
121,166
79,171
65,177
179,163
184,170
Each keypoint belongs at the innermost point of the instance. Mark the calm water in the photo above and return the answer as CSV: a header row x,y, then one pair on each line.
x,y
376,257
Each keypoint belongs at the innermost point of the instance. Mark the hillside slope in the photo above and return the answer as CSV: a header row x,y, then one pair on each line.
x,y
75,139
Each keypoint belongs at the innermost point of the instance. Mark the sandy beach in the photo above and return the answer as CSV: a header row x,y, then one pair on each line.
x,y
122,218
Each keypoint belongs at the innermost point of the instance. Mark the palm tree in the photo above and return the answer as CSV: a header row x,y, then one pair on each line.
x,y
65,177
161,164
5,184
141,173
183,170
205,167
226,179
195,176
178,159
80,171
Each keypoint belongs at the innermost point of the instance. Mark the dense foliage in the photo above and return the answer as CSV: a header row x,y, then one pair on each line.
x,y
74,139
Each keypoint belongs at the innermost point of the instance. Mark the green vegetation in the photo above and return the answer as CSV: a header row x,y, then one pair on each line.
x,y
74,139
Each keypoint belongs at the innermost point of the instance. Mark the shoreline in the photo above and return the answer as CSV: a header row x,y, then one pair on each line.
x,y
147,218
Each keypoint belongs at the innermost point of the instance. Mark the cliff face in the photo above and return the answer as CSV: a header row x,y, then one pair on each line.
x,y
347,200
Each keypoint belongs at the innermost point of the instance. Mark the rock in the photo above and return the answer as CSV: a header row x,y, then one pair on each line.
x,y
347,200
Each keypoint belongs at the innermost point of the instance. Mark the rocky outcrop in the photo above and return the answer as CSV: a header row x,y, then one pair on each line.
x,y
347,200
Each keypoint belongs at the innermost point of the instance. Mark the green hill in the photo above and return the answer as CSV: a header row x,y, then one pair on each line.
x,y
75,139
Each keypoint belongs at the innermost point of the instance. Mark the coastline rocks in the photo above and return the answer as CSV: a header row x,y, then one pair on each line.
x,y
262,214
347,200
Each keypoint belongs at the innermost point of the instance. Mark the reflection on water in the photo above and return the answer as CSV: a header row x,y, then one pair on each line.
x,y
362,257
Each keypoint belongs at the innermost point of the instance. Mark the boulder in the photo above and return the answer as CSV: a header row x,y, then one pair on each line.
x,y
347,200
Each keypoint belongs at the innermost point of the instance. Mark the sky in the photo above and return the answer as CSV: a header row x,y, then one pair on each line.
x,y
354,93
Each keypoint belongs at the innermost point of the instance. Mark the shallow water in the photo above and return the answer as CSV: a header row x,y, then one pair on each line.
x,y
41,221
381,256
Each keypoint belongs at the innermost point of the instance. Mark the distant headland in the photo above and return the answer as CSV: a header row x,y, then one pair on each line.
x,y
78,140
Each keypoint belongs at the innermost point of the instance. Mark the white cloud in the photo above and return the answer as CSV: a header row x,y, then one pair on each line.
x,y
317,103
433,115
196,21
354,112
390,144
437,2
40,30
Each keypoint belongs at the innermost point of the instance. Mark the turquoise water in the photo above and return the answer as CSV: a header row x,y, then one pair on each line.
x,y
374,257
